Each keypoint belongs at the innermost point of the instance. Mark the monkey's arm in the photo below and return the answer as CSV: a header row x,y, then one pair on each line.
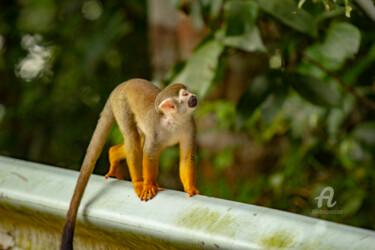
x,y
187,164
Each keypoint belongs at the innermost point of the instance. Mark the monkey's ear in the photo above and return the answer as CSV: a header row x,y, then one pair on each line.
x,y
167,106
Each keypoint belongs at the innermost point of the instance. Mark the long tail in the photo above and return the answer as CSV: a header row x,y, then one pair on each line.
x,y
94,149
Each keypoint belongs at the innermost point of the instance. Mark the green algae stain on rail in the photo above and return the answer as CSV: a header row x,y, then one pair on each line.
x,y
278,240
211,221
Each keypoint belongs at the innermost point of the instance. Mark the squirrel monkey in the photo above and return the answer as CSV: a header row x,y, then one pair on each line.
x,y
150,120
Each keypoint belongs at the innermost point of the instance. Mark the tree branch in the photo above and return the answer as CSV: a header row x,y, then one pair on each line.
x,y
346,87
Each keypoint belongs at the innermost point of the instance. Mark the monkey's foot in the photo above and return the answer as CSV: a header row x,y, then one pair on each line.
x,y
138,187
116,170
149,191
192,191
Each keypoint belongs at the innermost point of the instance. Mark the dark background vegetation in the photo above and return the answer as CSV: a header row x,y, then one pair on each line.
x,y
286,93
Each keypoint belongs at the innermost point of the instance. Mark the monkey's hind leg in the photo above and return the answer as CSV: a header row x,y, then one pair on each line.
x,y
116,155
134,160
131,145
150,172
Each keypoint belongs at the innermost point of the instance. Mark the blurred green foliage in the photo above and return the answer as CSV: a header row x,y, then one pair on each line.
x,y
89,48
328,132
59,60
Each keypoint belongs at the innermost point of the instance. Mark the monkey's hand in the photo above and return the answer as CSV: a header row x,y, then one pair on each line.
x,y
192,191
149,191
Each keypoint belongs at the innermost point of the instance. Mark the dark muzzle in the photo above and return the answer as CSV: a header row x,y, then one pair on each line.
x,y
193,101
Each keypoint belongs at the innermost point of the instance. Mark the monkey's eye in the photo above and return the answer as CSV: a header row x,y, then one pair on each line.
x,y
185,94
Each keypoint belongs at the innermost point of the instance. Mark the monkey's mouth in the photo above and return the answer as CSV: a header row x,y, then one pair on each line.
x,y
193,101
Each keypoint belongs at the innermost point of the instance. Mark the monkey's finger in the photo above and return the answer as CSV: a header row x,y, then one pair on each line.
x,y
160,189
144,196
153,191
150,194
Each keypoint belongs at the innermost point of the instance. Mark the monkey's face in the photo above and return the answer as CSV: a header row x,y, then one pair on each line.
x,y
180,104
188,101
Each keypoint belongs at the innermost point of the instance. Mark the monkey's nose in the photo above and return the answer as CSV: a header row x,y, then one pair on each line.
x,y
193,101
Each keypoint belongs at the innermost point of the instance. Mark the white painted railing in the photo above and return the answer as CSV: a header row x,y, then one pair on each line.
x,y
34,199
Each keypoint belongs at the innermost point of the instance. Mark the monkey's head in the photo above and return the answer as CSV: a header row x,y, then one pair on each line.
x,y
176,100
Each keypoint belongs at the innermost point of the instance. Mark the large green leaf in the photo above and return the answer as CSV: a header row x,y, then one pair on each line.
x,y
316,91
341,42
241,31
285,11
200,69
